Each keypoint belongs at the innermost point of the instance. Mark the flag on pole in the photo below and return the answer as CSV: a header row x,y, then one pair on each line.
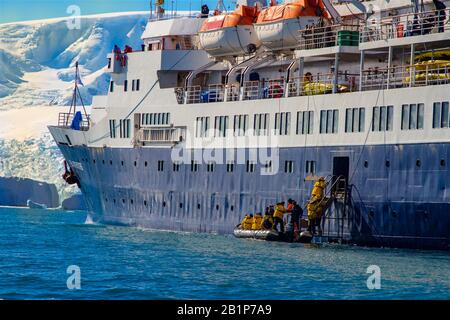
x,y
78,80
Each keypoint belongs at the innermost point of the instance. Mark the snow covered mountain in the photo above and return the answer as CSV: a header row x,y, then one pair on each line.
x,y
37,61
37,57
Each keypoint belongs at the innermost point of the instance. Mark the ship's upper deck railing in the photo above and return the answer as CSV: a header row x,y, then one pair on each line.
x,y
174,15
418,75
406,25
329,36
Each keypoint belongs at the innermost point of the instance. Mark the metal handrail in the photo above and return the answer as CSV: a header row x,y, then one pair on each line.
x,y
65,120
405,25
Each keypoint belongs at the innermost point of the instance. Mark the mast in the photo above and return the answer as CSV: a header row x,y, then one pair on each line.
x,y
76,94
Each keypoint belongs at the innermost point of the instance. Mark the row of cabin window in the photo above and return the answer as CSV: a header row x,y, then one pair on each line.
x,y
161,118
249,165
135,85
382,120
124,128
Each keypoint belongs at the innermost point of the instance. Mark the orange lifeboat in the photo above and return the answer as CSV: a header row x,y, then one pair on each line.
x,y
230,34
278,26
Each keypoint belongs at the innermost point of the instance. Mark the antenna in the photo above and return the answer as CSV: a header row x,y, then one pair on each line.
x,y
76,93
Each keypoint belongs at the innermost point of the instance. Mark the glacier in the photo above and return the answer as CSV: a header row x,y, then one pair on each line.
x,y
37,60
52,48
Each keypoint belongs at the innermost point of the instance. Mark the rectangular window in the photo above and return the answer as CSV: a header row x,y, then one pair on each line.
x,y
261,124
305,122
111,86
310,167
160,165
240,125
250,166
230,166
202,127
329,120
412,116
138,84
132,85
441,114
268,167
220,126
112,128
210,167
289,166
125,128
176,166
382,118
354,119
125,85
282,123
194,166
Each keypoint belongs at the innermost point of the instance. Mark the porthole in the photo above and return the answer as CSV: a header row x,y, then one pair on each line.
x,y
103,161
145,163
114,200
110,162
106,199
94,161
135,163
442,163
388,163
131,201
217,207
123,200
232,208
181,205
164,203
198,206
418,163
121,162
145,203
366,164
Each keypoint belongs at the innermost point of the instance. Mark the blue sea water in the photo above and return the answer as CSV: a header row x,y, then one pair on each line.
x,y
37,246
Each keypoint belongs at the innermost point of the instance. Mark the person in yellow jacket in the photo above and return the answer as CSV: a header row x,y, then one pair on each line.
x,y
247,222
280,210
257,220
315,205
267,222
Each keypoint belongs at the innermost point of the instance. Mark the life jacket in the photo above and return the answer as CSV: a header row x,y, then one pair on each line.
x,y
318,189
267,222
279,211
257,219
247,222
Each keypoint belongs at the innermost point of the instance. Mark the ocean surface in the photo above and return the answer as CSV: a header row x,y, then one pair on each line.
x,y
38,246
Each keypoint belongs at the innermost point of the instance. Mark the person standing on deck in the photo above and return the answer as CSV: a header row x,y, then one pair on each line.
x,y
440,14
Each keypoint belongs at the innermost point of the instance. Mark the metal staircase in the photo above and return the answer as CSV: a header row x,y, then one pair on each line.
x,y
335,205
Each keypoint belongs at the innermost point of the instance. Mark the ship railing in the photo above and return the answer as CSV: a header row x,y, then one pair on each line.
x,y
65,121
193,94
168,16
405,76
322,84
406,25
274,89
323,37
160,135
251,90
232,92
214,93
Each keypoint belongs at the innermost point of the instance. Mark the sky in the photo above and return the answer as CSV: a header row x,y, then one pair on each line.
x,y
22,10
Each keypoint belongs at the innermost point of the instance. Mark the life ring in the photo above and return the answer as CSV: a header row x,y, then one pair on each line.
x,y
276,91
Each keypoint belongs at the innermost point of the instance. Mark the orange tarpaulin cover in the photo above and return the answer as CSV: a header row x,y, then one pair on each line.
x,y
243,15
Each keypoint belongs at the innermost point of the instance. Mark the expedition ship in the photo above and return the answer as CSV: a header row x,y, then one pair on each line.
x,y
220,115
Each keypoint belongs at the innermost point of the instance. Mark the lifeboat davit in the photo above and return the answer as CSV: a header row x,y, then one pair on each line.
x,y
278,26
230,34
